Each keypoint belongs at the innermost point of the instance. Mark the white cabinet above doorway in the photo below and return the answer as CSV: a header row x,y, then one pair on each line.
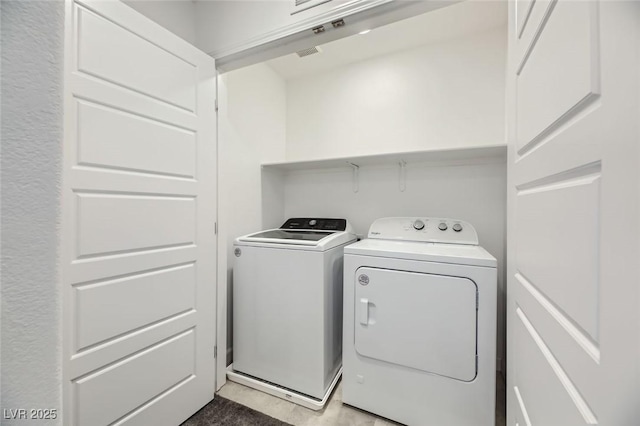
x,y
239,33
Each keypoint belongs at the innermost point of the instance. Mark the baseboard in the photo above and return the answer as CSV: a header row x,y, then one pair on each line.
x,y
283,393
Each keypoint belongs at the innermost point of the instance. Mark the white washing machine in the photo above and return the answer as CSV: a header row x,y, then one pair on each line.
x,y
420,323
287,309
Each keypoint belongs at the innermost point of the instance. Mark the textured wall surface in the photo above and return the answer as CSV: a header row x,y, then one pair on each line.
x,y
32,72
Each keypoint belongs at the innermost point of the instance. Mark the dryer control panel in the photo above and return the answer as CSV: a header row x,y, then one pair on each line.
x,y
424,229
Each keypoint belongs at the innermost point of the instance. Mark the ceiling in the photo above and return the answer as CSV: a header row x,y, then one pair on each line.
x,y
458,20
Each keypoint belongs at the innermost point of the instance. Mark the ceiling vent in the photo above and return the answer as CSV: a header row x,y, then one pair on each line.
x,y
310,51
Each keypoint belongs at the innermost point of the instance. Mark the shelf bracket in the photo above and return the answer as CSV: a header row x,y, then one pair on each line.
x,y
402,178
356,176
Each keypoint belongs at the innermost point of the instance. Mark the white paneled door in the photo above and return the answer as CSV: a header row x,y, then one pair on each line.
x,y
573,233
139,208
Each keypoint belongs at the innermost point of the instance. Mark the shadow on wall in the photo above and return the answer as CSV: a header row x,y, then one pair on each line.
x,y
230,316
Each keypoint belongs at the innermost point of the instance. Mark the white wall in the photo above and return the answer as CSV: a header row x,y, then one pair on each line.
x,y
225,23
178,16
32,62
227,27
441,95
251,126
475,193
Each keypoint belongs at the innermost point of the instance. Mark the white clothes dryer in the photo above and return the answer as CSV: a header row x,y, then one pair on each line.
x,y
420,323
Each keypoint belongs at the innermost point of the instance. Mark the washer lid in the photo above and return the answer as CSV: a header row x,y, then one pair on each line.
x,y
310,240
428,252
303,233
296,237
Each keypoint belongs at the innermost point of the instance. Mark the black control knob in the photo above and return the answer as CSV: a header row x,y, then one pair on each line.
x,y
418,225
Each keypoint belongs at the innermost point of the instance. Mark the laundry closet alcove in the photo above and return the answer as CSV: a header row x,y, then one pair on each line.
x,y
405,120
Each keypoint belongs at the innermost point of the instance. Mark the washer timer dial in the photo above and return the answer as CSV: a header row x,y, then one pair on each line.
x,y
418,225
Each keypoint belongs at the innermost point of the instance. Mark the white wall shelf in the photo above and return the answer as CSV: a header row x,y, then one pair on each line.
x,y
481,154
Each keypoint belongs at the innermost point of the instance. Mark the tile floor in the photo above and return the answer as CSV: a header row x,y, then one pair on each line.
x,y
334,414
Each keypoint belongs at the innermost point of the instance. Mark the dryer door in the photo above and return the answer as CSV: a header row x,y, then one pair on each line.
x,y
421,321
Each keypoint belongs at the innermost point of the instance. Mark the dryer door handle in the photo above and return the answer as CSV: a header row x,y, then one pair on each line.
x,y
364,311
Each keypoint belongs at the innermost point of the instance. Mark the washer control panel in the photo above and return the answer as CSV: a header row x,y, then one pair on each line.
x,y
321,224
425,229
